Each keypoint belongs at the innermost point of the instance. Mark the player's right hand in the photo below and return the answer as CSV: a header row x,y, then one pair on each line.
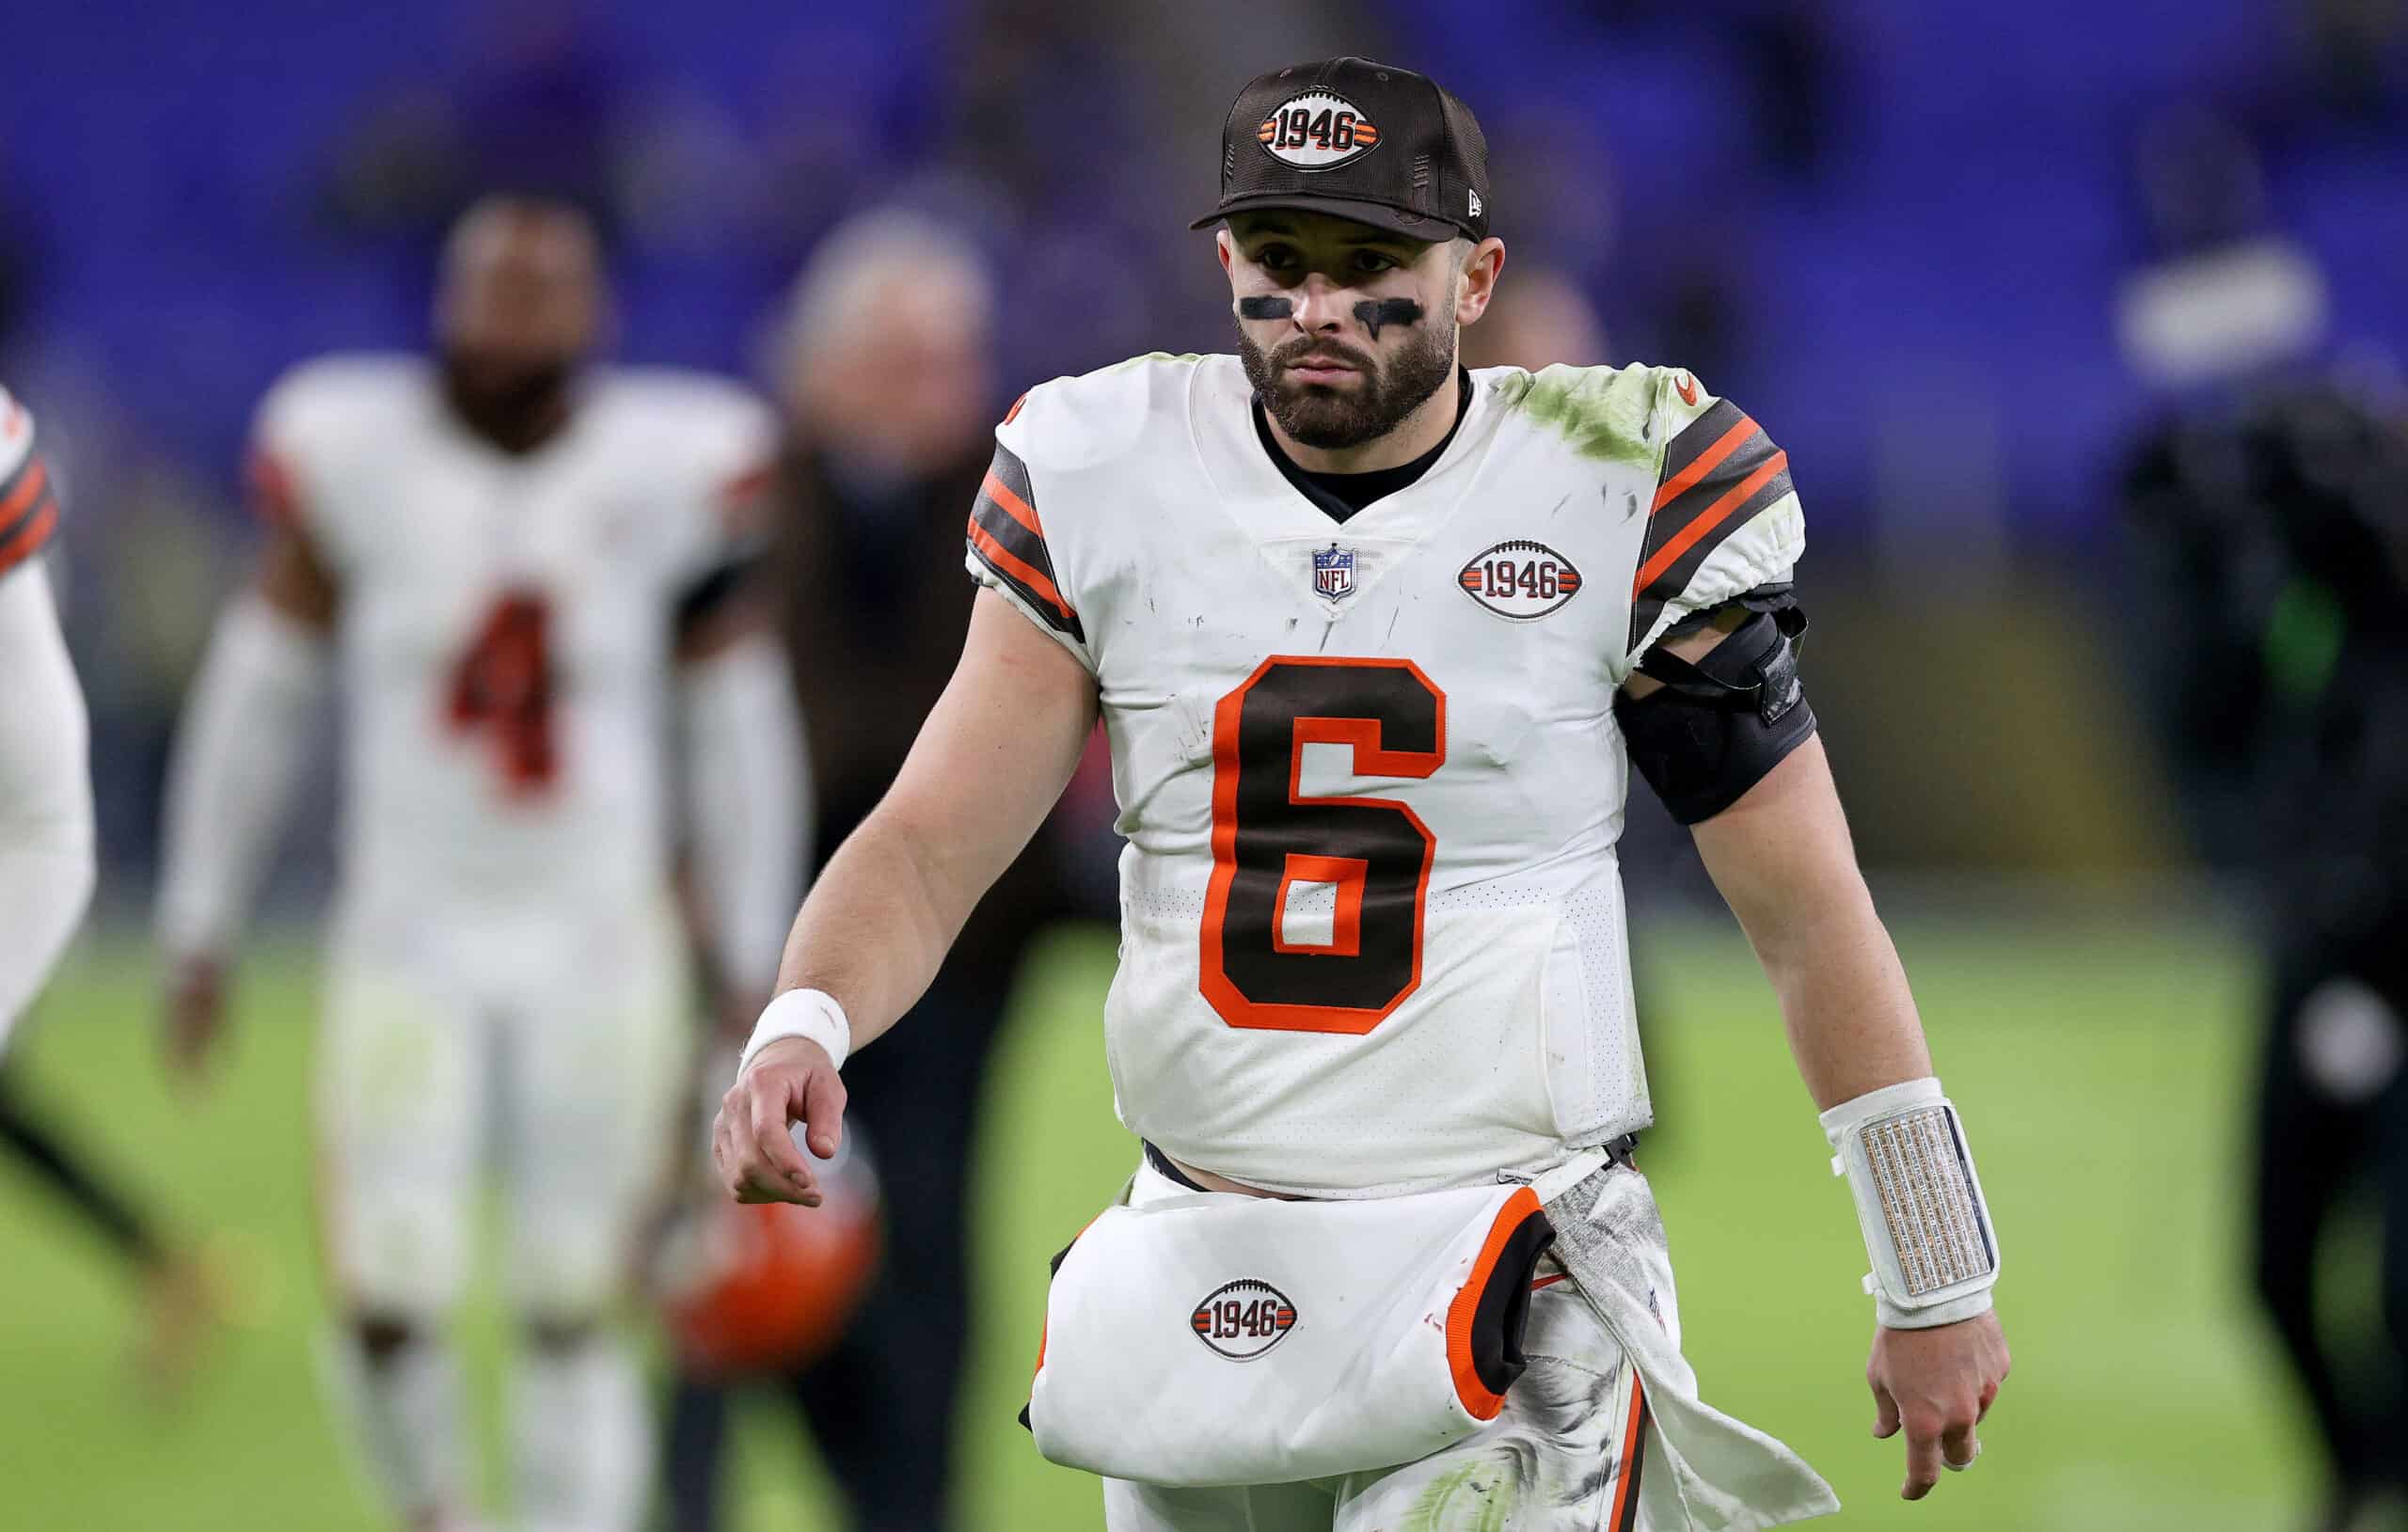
x,y
792,1081
196,1013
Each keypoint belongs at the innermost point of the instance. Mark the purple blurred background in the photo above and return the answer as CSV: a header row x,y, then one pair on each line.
x,y
1916,240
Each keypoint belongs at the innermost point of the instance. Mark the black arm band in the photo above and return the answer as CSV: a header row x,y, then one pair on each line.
x,y
1718,726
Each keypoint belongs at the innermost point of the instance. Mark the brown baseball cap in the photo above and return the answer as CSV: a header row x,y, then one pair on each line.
x,y
1380,145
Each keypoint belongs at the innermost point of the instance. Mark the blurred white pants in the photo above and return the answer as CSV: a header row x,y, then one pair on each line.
x,y
543,1050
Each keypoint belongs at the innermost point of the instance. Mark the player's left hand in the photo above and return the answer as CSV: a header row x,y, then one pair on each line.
x,y
1937,1384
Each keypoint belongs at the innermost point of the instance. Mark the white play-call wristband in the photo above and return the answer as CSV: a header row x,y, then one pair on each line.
x,y
1917,1202
802,1013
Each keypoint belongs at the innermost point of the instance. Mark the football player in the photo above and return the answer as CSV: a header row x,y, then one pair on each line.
x,y
46,867
1377,642
46,877
526,577
2273,515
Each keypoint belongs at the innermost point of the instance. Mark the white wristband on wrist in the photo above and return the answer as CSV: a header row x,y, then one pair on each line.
x,y
802,1013
1917,1202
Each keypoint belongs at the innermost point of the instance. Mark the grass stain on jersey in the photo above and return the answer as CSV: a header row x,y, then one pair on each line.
x,y
1602,411
1473,1498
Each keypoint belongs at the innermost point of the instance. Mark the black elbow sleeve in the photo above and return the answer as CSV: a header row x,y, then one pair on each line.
x,y
1718,726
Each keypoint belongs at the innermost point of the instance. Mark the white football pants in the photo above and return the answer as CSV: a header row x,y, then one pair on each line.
x,y
541,1047
1562,1456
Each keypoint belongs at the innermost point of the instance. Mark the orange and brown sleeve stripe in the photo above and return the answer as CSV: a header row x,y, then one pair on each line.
x,y
28,512
1007,538
1719,473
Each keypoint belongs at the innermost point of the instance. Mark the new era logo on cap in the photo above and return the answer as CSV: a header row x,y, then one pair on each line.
x,y
1356,139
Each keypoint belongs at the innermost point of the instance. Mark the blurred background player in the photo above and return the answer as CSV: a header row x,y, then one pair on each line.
x,y
885,376
2275,526
46,876
529,577
46,865
2265,516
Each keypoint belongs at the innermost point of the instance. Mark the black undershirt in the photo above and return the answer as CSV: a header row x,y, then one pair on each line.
x,y
1340,494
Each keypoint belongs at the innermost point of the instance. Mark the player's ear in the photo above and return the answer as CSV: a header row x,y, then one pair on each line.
x,y
1228,247
1479,283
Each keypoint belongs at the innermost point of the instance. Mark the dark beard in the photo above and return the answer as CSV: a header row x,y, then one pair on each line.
x,y
517,411
1332,421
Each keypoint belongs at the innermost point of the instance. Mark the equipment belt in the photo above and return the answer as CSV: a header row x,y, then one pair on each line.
x,y
1619,1150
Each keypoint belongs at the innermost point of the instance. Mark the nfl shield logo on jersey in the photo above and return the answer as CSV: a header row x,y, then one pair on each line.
x,y
1333,572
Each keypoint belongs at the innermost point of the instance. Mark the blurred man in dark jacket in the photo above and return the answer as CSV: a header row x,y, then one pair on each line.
x,y
885,378
2273,539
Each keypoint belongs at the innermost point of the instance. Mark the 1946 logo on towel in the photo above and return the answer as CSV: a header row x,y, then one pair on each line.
x,y
1243,1318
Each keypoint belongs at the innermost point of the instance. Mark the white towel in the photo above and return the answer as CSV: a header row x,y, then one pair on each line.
x,y
1726,1476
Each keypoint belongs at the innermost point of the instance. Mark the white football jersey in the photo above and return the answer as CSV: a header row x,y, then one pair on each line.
x,y
1371,920
507,621
45,780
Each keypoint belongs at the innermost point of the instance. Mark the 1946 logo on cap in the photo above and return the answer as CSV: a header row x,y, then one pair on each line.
x,y
1317,130
1242,1319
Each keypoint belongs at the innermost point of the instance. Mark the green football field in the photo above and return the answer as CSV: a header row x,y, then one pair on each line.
x,y
2101,1066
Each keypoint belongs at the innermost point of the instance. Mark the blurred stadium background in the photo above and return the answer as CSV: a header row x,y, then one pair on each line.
x,y
1959,259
